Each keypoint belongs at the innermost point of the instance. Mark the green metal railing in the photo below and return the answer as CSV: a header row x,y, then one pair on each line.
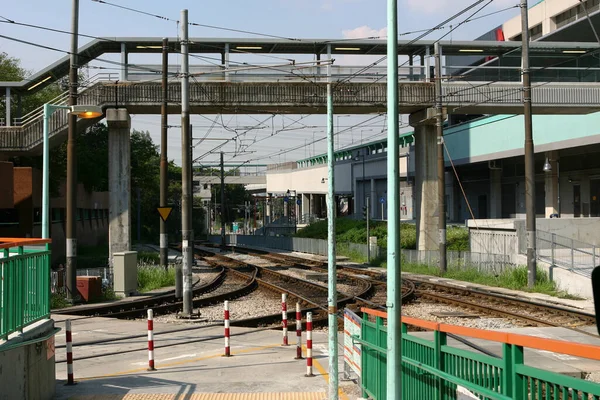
x,y
24,284
431,369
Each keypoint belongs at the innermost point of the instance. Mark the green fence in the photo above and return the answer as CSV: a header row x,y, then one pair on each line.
x,y
24,284
433,370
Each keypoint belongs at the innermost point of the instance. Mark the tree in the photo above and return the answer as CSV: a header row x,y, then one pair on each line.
x,y
12,71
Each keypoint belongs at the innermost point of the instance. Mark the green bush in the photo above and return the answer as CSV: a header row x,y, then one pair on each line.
x,y
355,231
148,257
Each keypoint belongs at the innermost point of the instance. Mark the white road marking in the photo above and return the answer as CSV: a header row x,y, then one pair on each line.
x,y
166,359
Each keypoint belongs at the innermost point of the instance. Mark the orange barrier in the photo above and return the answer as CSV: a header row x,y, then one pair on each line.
x,y
7,243
556,346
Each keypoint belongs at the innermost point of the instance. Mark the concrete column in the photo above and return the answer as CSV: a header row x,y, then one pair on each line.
x,y
8,121
374,201
426,179
124,60
119,180
495,193
226,61
551,184
312,204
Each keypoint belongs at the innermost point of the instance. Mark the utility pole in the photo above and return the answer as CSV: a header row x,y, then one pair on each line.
x,y
331,261
368,201
187,231
164,165
529,155
439,120
394,283
71,229
222,204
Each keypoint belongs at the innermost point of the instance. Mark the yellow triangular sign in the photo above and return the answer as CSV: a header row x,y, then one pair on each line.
x,y
164,212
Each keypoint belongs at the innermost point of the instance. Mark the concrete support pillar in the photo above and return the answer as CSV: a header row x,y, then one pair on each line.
x,y
119,180
123,76
373,201
495,193
226,61
551,184
312,204
8,121
426,179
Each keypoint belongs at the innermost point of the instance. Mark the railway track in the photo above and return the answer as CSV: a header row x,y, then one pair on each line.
x,y
525,312
522,311
371,292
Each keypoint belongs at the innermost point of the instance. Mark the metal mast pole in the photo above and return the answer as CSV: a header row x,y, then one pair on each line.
x,y
186,172
222,204
394,283
164,177
529,155
71,228
332,273
439,119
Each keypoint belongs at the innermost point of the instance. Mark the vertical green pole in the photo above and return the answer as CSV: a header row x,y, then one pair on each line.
x,y
394,289
519,385
332,274
45,174
506,388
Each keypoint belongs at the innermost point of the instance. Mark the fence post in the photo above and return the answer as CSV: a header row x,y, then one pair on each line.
x,y
519,385
572,255
226,323
69,338
439,340
151,340
284,318
298,332
309,371
507,375
553,246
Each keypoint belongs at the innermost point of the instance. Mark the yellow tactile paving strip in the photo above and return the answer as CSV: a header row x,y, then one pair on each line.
x,y
206,396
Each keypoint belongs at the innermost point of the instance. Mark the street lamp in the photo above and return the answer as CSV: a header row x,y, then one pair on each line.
x,y
85,112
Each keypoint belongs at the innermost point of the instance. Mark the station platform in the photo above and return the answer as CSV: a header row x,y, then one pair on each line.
x,y
189,364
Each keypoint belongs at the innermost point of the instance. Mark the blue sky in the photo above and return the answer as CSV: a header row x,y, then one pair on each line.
x,y
300,19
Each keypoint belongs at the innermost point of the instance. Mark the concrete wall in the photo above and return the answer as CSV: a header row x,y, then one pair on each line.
x,y
502,136
540,13
27,371
301,180
585,230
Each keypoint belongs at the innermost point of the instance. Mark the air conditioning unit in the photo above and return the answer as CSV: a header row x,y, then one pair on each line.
x,y
494,164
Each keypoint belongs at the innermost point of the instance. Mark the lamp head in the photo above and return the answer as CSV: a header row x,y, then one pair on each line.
x,y
547,166
86,112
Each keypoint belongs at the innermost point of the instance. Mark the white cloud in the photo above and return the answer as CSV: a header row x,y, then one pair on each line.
x,y
364,32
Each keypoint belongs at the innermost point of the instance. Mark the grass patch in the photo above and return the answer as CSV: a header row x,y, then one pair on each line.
x,y
152,277
510,278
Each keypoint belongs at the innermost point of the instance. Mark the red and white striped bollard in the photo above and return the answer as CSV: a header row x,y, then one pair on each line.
x,y
226,321
151,340
309,364
298,332
69,337
284,318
